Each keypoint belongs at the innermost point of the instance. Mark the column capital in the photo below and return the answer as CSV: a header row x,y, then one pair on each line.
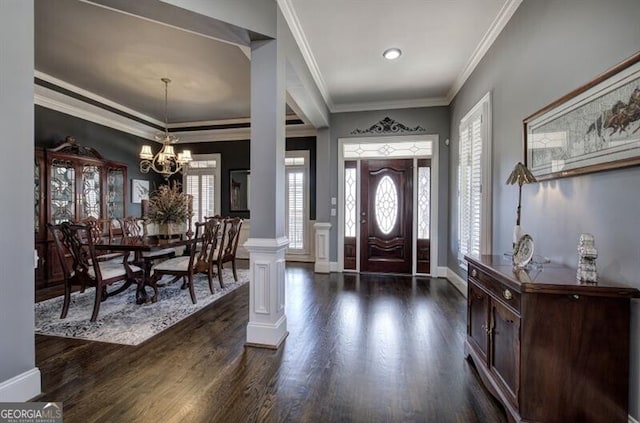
x,y
266,245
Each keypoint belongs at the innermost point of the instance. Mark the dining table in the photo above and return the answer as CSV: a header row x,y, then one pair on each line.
x,y
138,245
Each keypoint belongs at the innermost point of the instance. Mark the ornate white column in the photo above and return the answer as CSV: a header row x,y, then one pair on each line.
x,y
267,322
267,242
323,264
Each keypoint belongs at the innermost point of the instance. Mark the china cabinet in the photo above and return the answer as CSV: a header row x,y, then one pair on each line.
x,y
72,183
549,348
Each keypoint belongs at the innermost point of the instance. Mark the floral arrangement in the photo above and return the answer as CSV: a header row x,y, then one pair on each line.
x,y
168,204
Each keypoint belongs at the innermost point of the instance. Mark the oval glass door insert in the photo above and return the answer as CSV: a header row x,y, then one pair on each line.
x,y
386,204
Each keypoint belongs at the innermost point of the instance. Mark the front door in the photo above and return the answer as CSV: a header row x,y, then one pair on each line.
x,y
386,216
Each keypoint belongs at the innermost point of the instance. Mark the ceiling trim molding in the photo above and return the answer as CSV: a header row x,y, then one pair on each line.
x,y
301,40
498,24
177,126
88,94
63,103
238,134
388,105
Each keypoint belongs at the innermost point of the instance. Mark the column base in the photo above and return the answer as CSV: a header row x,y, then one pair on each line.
x,y
267,327
264,335
322,264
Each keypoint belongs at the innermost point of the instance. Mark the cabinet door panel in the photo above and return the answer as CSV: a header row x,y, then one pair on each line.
x,y
505,352
478,319
115,195
62,192
90,195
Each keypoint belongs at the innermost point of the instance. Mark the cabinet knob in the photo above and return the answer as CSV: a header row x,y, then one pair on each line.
x,y
474,272
507,294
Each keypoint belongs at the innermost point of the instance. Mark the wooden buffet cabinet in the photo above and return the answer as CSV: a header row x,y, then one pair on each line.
x,y
547,347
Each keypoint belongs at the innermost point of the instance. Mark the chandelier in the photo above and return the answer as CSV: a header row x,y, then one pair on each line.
x,y
164,162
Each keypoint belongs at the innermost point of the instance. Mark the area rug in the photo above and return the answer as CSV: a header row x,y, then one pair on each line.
x,y
121,320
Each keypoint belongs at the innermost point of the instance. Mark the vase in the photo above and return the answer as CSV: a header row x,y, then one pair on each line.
x,y
170,229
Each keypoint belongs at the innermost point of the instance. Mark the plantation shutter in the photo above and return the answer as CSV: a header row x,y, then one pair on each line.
x,y
295,208
470,188
200,182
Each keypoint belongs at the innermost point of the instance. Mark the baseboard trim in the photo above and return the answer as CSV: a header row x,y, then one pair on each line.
x,y
441,272
22,387
457,281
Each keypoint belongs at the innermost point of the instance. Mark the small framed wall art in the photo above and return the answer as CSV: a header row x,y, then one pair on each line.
x,y
139,190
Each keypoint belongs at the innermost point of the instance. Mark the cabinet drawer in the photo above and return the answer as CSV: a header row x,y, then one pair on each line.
x,y
497,289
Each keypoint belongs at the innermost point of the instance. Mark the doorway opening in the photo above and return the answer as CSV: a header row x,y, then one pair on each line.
x,y
387,194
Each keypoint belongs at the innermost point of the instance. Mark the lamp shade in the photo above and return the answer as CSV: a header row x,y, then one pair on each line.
x,y
146,152
168,151
185,156
521,175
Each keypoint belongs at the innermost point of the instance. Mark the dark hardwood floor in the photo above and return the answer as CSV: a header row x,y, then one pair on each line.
x,y
361,349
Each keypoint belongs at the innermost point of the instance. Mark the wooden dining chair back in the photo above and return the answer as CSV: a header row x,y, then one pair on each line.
x,y
131,227
228,246
202,249
77,240
100,229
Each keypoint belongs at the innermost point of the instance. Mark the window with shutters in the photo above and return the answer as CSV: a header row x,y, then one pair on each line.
x,y
474,182
296,207
201,179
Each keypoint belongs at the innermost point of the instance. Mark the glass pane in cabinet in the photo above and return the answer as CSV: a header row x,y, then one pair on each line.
x,y
90,206
62,193
115,194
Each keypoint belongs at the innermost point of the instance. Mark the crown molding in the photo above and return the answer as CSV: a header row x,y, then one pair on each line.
x,y
301,40
387,105
88,94
196,124
63,103
238,134
498,24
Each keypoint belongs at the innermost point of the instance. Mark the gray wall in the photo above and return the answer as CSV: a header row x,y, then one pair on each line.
x,y
549,48
17,352
434,119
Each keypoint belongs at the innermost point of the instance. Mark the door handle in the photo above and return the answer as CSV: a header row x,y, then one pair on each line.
x,y
363,221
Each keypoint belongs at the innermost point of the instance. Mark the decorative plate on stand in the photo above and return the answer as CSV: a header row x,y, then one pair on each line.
x,y
523,251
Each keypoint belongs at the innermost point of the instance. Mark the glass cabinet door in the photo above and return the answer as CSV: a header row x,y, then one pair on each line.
x,y
62,191
115,193
90,195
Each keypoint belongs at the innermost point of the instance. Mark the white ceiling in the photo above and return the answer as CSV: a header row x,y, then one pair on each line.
x,y
441,41
121,58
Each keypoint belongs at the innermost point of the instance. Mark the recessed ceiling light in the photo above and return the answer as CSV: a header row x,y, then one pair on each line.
x,y
392,53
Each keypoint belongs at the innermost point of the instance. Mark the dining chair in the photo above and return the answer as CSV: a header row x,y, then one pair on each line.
x,y
76,241
132,227
201,253
228,247
100,228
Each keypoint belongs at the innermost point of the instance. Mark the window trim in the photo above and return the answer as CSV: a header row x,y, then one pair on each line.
x,y
306,169
216,175
483,108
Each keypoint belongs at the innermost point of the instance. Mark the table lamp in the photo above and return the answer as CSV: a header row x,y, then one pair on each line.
x,y
520,175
